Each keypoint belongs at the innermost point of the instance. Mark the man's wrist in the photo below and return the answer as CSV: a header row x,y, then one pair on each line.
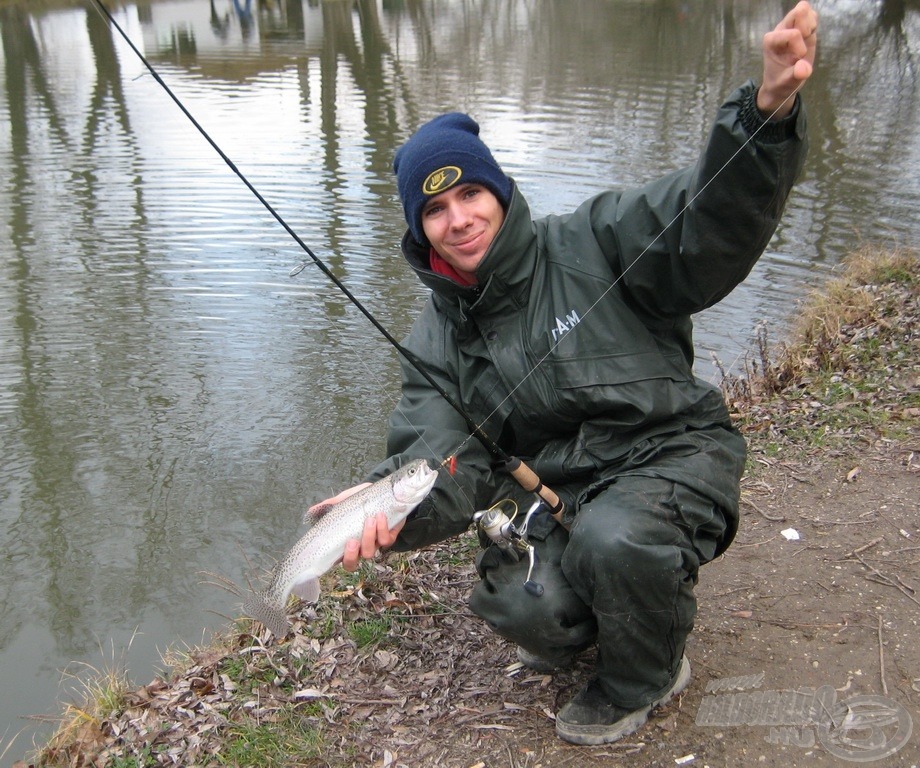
x,y
773,107
768,130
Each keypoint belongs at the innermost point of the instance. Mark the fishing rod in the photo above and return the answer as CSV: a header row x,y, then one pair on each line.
x,y
524,475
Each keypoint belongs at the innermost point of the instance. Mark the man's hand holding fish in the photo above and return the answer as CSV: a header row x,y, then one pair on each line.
x,y
377,533
353,524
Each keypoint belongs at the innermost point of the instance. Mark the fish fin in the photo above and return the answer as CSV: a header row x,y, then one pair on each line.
x,y
307,590
314,513
273,617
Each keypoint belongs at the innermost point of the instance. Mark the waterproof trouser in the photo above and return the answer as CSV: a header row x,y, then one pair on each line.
x,y
623,577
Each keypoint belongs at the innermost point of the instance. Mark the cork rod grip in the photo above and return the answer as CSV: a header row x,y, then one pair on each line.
x,y
529,481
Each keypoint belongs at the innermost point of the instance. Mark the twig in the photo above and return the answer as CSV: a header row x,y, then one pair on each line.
x,y
863,548
737,589
886,581
617,749
902,549
881,657
780,519
892,523
799,625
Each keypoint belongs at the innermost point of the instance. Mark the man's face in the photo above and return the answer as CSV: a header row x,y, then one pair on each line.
x,y
461,223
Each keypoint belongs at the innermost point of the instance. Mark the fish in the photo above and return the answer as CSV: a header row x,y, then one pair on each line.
x,y
323,545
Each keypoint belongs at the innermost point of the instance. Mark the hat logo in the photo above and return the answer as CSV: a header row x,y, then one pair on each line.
x,y
441,179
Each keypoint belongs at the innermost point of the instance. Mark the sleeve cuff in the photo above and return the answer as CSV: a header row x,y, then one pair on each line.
x,y
768,132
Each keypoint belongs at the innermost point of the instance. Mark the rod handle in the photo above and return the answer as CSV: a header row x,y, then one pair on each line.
x,y
529,481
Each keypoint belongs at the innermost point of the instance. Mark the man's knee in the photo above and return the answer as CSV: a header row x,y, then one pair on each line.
x,y
544,620
630,533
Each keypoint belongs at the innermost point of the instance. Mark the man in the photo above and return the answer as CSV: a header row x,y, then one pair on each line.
x,y
569,340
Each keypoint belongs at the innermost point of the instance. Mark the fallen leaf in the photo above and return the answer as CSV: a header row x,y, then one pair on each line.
x,y
310,693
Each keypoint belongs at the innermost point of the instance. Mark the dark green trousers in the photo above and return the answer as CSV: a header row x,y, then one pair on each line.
x,y
623,577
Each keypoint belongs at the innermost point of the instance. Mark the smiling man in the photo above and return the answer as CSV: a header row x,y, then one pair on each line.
x,y
569,340
460,224
454,194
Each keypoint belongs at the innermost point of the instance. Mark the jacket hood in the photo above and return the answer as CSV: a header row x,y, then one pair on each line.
x,y
503,275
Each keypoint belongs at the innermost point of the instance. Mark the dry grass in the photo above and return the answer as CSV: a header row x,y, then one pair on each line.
x,y
848,308
849,365
100,695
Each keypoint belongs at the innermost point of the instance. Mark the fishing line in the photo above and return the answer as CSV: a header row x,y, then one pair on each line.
x,y
525,477
613,285
445,463
635,261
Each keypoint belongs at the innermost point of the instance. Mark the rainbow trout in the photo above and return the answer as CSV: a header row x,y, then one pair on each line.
x,y
322,546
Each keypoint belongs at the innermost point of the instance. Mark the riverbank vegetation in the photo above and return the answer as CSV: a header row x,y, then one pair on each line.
x,y
849,369
390,668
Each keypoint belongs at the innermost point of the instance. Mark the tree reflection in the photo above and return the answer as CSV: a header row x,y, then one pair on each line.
x,y
50,525
893,13
37,529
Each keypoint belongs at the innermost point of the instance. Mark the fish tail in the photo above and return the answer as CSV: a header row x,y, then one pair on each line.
x,y
274,617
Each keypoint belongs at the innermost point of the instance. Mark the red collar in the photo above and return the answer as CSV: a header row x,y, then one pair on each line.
x,y
441,267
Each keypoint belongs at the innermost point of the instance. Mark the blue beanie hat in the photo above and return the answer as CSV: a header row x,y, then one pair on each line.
x,y
444,152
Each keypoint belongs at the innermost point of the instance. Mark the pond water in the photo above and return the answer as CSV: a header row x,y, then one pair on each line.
x,y
171,399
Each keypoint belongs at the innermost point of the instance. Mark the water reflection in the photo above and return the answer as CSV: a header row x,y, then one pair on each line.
x,y
170,399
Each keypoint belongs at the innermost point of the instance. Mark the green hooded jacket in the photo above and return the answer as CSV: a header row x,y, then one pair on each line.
x,y
574,351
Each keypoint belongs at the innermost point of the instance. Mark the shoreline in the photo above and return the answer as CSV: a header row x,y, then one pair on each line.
x,y
846,381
